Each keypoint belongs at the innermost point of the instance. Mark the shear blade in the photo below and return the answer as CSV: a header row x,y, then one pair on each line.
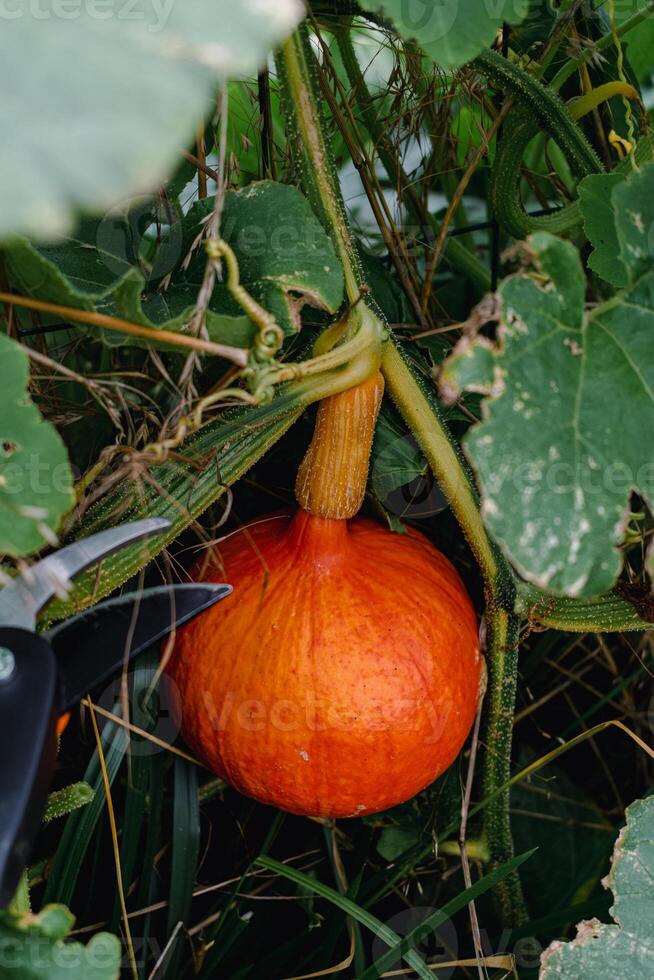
x,y
28,713
23,599
94,645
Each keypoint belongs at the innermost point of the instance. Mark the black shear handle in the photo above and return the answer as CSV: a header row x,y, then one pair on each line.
x,y
28,746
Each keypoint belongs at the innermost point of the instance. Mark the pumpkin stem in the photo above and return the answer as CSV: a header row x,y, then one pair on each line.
x,y
331,480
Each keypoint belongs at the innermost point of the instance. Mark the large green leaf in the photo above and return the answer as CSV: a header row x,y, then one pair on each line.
x,y
285,258
618,215
32,947
626,949
35,476
562,442
113,96
451,32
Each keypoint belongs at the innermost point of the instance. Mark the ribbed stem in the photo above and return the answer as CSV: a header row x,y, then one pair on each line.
x,y
303,110
420,410
331,481
503,628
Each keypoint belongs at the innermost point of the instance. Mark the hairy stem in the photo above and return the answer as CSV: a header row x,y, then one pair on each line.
x,y
304,115
503,627
421,413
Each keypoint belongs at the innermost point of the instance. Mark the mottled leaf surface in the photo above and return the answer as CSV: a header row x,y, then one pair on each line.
x,y
565,434
114,95
625,949
35,476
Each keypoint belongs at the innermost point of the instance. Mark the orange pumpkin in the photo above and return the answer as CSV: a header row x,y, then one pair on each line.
x,y
342,675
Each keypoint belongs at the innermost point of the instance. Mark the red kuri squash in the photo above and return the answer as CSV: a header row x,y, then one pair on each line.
x,y
342,675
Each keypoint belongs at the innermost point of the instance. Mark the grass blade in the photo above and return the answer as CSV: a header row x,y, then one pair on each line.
x,y
185,850
390,937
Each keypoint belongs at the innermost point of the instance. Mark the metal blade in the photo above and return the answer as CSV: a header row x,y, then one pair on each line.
x,y
28,715
22,600
94,645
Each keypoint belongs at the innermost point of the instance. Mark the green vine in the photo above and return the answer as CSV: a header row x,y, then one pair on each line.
x,y
504,188
420,411
545,108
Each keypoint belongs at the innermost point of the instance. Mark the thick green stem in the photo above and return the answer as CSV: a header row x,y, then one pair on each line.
x,y
460,258
545,108
502,627
615,612
303,110
421,412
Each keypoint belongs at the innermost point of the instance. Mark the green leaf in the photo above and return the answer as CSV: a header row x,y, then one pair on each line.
x,y
556,455
396,459
395,841
599,224
624,949
186,850
451,32
32,947
618,215
114,96
639,44
285,257
35,476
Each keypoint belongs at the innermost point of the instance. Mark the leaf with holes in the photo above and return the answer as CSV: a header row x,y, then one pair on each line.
x,y
558,451
451,32
285,258
35,477
624,949
116,92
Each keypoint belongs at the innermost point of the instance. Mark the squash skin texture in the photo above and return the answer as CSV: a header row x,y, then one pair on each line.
x,y
341,676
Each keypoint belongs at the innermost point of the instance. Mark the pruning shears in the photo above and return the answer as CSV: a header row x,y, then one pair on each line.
x,y
44,676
